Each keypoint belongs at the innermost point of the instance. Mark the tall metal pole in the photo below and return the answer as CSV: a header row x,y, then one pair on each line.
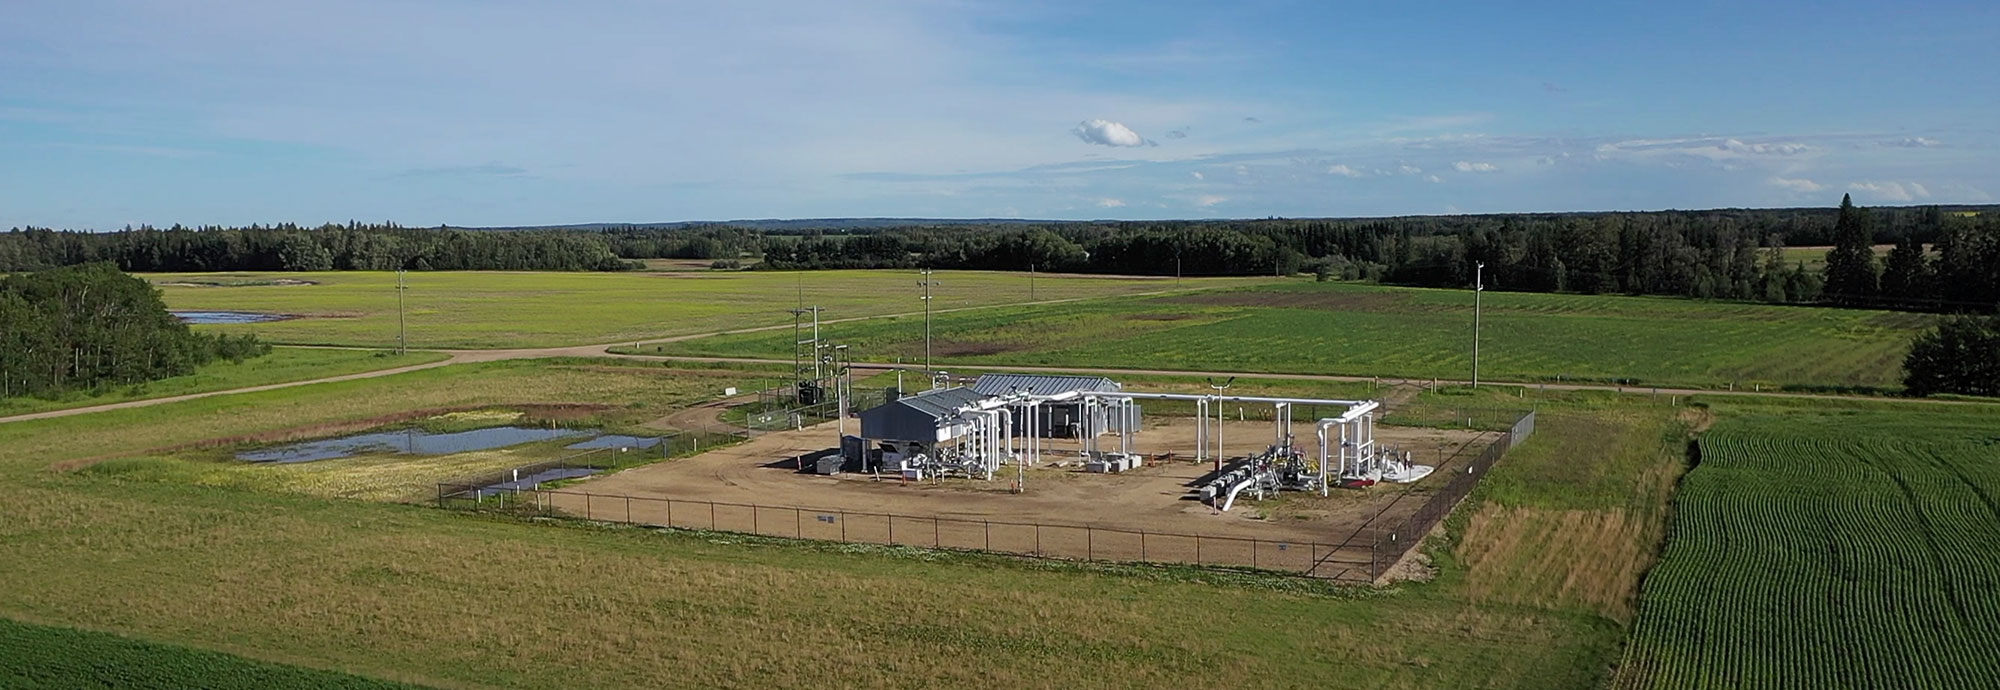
x,y
1478,289
925,282
402,324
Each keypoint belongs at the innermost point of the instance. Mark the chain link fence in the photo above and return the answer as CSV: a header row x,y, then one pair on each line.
x,y
1393,543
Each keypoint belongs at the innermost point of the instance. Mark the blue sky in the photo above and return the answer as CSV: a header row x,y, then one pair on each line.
x,y
509,112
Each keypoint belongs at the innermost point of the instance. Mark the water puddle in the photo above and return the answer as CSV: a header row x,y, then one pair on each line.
x,y
228,317
616,441
408,442
529,482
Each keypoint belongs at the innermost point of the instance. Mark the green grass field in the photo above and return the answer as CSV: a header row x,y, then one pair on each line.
x,y
1819,547
49,658
1814,258
1367,330
283,365
495,309
441,598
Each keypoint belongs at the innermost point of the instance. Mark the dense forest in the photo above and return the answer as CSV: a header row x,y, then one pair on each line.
x,y
1946,258
87,326
350,247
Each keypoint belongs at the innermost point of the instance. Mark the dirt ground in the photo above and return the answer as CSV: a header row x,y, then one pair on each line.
x,y
1153,499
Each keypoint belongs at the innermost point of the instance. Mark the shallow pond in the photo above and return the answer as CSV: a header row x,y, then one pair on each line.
x,y
228,317
409,442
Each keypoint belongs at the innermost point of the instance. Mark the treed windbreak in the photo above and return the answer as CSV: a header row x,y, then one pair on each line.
x,y
83,327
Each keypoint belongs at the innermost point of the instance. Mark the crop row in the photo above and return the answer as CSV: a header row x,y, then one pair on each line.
x,y
1803,556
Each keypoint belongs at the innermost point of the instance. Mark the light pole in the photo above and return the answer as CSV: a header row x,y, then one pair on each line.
x,y
1478,288
926,283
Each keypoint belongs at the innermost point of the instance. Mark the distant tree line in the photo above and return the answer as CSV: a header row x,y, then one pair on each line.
x,y
350,247
86,326
1947,259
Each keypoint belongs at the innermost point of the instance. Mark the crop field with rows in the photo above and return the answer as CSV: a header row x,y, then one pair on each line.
x,y
1829,549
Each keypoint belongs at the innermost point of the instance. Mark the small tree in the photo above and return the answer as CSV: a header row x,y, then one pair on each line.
x,y
1960,355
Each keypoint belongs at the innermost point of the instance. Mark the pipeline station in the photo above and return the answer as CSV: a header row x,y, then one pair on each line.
x,y
977,431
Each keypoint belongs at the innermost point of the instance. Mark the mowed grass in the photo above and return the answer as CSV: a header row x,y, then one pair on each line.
x,y
283,365
1368,330
51,658
1830,546
495,309
442,598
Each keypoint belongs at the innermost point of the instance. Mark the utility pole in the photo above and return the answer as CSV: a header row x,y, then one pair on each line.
x,y
840,384
1478,288
402,324
926,283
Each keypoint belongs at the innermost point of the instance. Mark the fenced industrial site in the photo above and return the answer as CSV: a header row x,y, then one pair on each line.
x,y
1339,515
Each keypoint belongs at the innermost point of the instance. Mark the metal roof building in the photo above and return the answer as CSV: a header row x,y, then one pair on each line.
x,y
922,417
1064,419
1040,384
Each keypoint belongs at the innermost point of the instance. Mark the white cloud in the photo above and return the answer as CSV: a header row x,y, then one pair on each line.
x,y
1207,200
1433,178
1407,169
1796,184
1892,191
1914,143
1343,170
1108,133
1469,166
1110,203
1197,175
1710,148
1771,149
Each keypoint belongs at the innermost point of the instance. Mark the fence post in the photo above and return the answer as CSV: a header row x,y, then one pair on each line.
x,y
1142,545
892,529
1253,553
989,534
670,512
753,520
1197,549
1089,543
711,516
1038,539
843,527
586,506
628,510
798,524
936,540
